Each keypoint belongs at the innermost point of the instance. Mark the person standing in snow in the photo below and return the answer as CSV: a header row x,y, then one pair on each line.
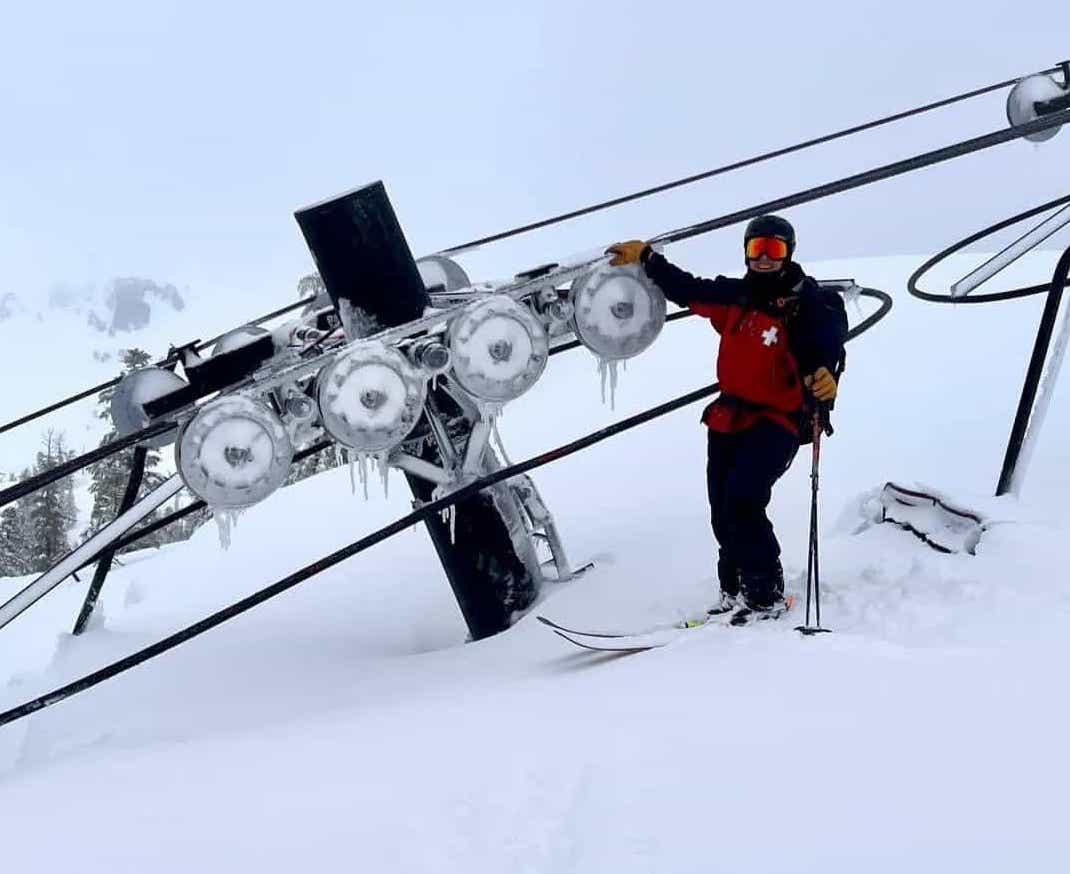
x,y
781,352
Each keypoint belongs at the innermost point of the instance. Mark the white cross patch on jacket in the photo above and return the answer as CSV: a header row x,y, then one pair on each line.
x,y
769,336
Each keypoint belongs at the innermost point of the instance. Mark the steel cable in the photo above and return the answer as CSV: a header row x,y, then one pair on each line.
x,y
737,165
868,177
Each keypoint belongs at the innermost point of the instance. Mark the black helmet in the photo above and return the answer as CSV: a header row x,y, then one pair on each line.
x,y
771,226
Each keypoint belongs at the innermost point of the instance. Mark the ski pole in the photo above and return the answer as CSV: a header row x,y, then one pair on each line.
x,y
821,425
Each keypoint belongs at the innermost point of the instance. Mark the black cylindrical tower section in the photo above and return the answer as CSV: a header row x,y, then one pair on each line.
x,y
364,260
363,256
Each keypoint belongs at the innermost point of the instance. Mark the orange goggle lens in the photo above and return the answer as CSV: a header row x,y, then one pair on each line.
x,y
774,247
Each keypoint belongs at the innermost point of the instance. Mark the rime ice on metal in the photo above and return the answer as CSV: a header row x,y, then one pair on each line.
x,y
618,311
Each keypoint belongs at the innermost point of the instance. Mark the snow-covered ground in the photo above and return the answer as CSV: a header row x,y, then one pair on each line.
x,y
346,724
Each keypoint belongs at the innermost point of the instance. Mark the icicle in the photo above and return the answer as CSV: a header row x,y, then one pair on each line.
x,y
358,469
225,521
608,368
352,478
222,524
491,411
384,472
362,470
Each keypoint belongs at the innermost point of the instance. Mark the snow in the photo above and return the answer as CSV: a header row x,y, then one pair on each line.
x,y
439,270
930,515
25,597
432,274
133,392
347,722
238,338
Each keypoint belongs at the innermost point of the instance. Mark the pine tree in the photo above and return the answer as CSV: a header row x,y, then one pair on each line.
x,y
325,459
15,540
109,476
310,286
51,509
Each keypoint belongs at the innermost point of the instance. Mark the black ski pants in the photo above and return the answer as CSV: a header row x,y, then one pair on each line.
x,y
740,471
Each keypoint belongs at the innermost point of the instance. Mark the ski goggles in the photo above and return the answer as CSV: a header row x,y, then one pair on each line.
x,y
774,247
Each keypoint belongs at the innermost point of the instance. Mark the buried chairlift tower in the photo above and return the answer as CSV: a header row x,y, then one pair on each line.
x,y
406,364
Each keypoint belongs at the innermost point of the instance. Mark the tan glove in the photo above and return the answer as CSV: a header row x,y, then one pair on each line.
x,y
630,252
822,384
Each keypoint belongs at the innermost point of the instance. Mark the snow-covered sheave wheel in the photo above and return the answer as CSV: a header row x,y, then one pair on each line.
x,y
371,397
234,453
438,270
618,311
237,338
135,390
1021,100
499,349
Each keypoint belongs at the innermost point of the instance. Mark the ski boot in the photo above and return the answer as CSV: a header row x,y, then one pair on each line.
x,y
726,604
728,574
763,596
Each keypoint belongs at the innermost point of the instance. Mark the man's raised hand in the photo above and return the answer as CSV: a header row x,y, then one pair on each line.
x,y
629,252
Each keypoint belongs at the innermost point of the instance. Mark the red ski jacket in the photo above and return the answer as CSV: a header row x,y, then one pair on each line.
x,y
774,330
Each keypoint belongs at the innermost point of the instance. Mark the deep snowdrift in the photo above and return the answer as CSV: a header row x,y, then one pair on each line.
x,y
345,723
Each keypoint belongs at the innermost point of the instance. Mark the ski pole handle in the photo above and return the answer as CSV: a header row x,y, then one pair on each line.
x,y
822,420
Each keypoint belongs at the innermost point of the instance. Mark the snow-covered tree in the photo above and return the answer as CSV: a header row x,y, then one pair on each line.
x,y
310,286
51,508
326,459
16,539
108,477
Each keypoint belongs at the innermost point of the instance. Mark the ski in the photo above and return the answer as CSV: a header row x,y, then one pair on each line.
x,y
679,625
659,636
611,646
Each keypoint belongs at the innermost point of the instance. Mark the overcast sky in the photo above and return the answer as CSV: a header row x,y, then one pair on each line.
x,y
175,139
